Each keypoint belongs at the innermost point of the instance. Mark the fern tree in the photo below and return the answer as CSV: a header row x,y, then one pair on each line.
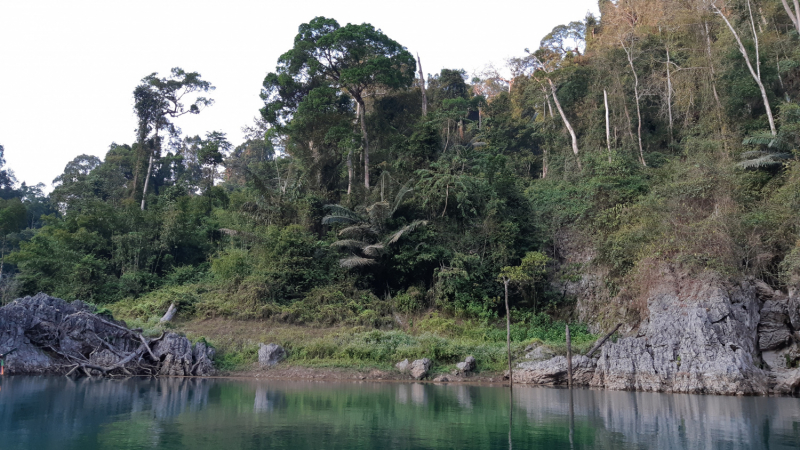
x,y
365,237
774,150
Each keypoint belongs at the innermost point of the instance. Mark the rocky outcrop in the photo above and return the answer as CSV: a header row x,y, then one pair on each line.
x,y
402,366
54,336
702,335
270,354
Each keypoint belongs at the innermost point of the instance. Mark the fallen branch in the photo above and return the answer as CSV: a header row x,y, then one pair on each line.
x,y
602,341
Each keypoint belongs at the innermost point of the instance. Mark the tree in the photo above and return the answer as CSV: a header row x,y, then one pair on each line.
x,y
356,59
156,101
7,179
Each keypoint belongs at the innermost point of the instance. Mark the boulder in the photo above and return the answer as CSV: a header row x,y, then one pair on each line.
x,y
175,352
419,368
270,354
467,366
402,366
203,357
441,379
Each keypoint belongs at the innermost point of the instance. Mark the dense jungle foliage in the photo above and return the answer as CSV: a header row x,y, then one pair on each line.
x,y
661,130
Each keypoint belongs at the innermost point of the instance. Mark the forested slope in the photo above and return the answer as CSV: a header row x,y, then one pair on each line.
x,y
661,131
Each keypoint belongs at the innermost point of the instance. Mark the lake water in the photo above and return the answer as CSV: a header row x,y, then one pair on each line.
x,y
198,414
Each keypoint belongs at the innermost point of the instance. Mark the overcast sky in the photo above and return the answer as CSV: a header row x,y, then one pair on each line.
x,y
68,68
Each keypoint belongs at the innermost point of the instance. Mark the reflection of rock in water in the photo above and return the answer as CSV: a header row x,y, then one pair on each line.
x,y
268,400
664,421
418,394
403,393
86,404
464,396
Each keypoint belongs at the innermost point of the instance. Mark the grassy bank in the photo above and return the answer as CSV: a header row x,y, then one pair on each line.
x,y
446,341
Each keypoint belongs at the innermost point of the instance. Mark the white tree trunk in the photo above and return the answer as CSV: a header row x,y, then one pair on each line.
x,y
564,118
608,126
629,53
422,87
755,73
794,15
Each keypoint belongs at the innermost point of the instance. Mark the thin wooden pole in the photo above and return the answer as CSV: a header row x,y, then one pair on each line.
x,y
569,358
508,335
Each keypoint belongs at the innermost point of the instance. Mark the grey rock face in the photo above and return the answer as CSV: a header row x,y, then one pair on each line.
x,y
175,352
203,357
773,328
700,338
554,371
270,354
402,366
52,336
468,365
419,368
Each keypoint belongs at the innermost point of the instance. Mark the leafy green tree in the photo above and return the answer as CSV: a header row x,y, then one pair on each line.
x,y
159,100
356,59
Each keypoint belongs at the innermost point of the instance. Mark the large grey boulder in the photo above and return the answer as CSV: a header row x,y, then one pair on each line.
x,y
468,365
419,368
270,354
175,352
402,366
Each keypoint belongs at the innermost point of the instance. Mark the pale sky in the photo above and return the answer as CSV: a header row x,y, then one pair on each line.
x,y
68,68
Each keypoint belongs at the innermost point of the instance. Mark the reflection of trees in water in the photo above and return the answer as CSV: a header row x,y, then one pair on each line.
x,y
204,414
63,405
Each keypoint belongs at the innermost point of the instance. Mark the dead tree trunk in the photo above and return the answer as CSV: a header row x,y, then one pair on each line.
x,y
608,126
669,94
755,73
422,87
794,15
566,122
629,53
602,341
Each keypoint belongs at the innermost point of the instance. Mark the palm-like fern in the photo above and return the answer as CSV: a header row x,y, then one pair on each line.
x,y
362,234
775,152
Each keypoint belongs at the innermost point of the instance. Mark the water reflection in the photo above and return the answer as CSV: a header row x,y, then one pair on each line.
x,y
40,412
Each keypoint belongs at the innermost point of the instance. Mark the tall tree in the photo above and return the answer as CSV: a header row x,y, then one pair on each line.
x,y
356,59
156,102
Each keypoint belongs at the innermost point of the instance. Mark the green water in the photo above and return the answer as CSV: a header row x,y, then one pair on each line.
x,y
197,414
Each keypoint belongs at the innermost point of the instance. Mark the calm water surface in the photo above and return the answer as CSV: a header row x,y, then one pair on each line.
x,y
59,413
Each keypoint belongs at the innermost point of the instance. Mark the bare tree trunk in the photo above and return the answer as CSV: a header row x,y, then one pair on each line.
x,y
711,67
795,16
147,178
365,139
629,53
350,173
756,73
608,126
566,122
544,163
422,87
508,334
169,314
669,95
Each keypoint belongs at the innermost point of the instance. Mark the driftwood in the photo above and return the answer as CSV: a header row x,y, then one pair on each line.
x,y
602,341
